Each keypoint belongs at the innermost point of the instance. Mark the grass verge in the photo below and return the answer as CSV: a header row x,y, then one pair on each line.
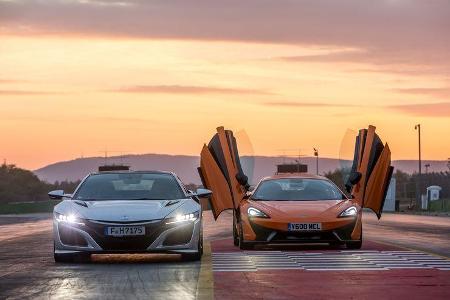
x,y
27,207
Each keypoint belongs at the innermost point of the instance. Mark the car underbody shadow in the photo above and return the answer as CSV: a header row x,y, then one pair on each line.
x,y
299,247
150,258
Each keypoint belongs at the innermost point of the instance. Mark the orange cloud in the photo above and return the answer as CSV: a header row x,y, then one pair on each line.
x,y
26,93
307,104
441,109
182,89
437,92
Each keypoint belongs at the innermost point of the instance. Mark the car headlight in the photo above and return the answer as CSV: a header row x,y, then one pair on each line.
x,y
70,218
183,218
349,212
256,213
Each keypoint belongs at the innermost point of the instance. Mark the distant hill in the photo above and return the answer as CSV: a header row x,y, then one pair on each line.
x,y
186,166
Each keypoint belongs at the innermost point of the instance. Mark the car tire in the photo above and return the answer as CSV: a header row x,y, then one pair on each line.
x,y
235,230
63,258
242,244
335,245
355,244
194,256
70,257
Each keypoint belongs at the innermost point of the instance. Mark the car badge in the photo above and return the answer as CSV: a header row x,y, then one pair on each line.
x,y
124,218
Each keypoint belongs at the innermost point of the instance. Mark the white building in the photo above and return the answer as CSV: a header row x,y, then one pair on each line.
x,y
389,202
433,192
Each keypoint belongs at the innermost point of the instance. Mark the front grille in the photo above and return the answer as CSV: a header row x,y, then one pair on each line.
x,y
125,243
71,237
263,233
140,222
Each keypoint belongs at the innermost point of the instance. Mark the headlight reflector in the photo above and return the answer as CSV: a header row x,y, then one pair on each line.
x,y
349,212
256,213
183,218
70,218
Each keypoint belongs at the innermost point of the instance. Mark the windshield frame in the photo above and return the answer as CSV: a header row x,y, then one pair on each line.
x,y
178,182
252,197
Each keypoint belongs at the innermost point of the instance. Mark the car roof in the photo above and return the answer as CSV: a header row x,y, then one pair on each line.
x,y
133,172
294,175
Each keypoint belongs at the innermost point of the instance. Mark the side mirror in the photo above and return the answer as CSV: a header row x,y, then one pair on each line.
x,y
247,195
58,194
203,193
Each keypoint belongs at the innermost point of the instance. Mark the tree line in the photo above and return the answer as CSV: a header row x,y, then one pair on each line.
x,y
406,184
20,185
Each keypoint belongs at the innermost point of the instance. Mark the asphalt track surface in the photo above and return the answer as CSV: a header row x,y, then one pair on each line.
x,y
403,257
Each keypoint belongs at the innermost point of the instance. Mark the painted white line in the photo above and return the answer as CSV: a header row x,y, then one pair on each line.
x,y
350,269
221,270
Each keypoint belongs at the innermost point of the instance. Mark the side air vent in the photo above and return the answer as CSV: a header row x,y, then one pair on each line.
x,y
81,203
172,202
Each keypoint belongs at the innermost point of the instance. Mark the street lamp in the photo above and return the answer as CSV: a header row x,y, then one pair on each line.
x,y
419,186
316,154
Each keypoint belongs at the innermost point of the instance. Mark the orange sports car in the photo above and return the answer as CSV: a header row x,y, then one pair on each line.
x,y
296,207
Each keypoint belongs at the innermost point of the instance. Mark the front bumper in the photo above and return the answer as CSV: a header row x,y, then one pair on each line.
x,y
266,235
159,237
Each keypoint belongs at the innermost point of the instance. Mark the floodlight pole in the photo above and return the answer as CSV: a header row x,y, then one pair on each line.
x,y
419,178
316,154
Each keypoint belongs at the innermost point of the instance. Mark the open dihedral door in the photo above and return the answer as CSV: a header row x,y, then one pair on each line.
x,y
220,171
371,171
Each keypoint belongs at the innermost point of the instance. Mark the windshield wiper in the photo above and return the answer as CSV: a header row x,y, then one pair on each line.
x,y
145,198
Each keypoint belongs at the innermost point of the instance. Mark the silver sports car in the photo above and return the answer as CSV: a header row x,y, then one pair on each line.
x,y
128,212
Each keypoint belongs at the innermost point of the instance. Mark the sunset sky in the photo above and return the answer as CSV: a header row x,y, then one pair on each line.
x,y
130,76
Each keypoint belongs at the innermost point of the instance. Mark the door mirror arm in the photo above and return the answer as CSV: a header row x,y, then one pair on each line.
x,y
247,195
58,195
203,193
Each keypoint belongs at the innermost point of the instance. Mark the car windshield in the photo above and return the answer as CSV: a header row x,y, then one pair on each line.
x,y
130,186
297,189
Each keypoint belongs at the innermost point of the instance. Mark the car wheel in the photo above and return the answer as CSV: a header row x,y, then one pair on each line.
x,y
242,244
335,245
355,244
63,258
235,231
194,256
70,257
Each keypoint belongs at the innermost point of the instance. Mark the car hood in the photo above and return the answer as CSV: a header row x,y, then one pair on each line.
x,y
126,210
301,208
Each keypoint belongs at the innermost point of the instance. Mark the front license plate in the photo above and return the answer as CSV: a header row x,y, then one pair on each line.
x,y
304,226
125,230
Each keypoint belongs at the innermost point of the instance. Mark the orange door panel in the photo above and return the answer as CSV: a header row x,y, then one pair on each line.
x,y
214,180
221,171
229,150
366,138
378,182
372,167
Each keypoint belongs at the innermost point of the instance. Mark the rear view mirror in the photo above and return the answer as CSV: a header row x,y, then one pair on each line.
x,y
247,195
203,193
58,194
